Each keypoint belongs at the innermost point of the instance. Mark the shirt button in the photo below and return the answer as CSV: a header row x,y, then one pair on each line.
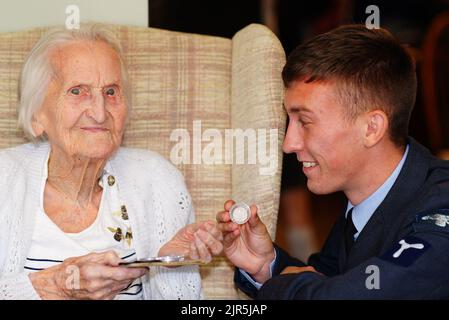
x,y
111,180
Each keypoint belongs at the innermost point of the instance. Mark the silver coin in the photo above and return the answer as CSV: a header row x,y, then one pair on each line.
x,y
240,213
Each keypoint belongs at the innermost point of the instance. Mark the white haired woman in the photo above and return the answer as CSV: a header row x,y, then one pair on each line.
x,y
74,203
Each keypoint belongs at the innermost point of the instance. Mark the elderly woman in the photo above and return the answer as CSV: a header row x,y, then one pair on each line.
x,y
74,203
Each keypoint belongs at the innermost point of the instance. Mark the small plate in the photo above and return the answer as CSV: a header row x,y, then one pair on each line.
x,y
162,261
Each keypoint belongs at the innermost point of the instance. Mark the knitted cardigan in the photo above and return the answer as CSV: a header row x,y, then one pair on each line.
x,y
157,202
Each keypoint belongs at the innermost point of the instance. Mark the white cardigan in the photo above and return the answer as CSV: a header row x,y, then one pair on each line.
x,y
157,201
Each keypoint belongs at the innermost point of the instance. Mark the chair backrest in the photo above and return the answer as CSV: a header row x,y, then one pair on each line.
x,y
188,82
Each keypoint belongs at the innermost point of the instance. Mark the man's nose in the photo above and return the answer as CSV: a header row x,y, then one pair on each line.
x,y
293,141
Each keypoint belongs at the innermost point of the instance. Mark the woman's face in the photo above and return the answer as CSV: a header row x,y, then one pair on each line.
x,y
84,110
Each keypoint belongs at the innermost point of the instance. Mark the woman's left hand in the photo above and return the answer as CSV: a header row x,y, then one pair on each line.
x,y
200,240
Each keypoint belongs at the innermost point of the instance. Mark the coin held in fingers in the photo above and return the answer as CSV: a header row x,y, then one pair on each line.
x,y
240,213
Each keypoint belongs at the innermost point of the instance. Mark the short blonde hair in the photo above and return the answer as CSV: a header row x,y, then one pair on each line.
x,y
37,70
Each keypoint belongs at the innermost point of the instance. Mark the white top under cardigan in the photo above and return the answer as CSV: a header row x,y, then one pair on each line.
x,y
158,205
111,230
50,246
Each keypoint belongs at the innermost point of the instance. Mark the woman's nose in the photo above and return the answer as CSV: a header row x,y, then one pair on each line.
x,y
97,109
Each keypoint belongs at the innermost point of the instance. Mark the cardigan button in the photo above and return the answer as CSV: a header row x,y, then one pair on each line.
x,y
124,212
111,180
118,235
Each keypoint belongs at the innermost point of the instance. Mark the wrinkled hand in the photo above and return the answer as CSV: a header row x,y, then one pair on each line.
x,y
292,269
247,246
93,276
200,240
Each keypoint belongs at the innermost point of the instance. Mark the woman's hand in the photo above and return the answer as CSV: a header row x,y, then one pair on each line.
x,y
200,240
93,276
248,246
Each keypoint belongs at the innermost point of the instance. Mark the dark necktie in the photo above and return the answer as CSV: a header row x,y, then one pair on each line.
x,y
350,231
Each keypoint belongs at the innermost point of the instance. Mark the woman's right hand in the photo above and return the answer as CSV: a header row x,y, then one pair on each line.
x,y
93,276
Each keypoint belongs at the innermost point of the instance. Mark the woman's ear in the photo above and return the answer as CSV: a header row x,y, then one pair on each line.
x,y
38,128
376,127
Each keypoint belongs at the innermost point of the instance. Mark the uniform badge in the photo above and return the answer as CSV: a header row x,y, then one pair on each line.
x,y
440,220
405,246
406,251
435,220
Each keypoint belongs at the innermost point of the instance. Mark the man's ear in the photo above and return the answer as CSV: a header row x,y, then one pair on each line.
x,y
376,127
38,128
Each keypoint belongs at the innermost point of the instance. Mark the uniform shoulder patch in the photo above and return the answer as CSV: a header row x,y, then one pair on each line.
x,y
406,251
435,220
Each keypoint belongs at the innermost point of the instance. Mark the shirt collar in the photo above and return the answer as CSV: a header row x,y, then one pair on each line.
x,y
364,210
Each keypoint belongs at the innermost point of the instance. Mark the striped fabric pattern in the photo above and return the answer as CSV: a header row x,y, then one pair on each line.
x,y
33,264
177,78
38,264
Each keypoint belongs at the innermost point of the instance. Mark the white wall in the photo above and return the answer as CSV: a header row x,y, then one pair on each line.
x,y
25,14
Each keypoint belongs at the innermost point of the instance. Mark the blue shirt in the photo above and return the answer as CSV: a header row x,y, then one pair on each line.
x,y
365,209
361,212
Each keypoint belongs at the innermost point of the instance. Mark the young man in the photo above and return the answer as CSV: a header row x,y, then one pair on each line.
x,y
349,96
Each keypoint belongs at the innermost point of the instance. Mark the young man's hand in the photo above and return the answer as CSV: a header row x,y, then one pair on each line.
x,y
248,246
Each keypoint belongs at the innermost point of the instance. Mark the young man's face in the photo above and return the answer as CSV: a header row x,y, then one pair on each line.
x,y
328,145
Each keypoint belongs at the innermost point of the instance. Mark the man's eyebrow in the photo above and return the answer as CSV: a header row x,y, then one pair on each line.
x,y
297,109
